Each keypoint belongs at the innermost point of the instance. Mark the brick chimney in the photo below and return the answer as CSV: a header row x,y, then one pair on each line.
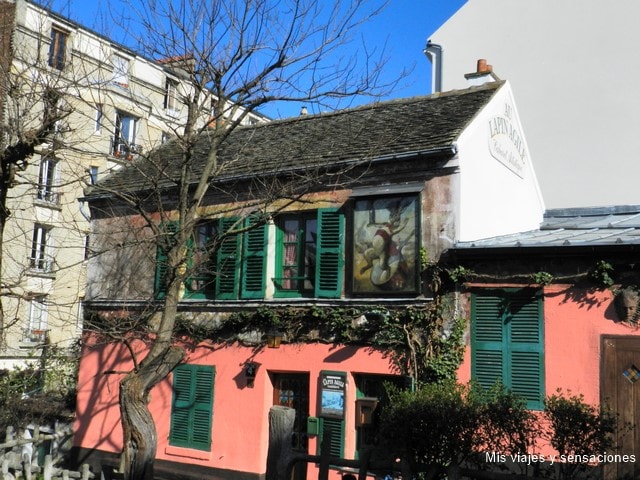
x,y
483,74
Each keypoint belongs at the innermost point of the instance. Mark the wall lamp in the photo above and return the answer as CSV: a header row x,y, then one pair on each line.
x,y
274,338
250,372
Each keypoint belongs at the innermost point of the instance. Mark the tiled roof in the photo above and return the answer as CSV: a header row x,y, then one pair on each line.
x,y
573,227
398,128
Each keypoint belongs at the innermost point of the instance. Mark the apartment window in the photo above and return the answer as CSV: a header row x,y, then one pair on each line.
x,y
87,247
47,179
37,323
57,48
192,406
41,259
120,71
309,254
126,127
99,118
171,95
93,174
507,341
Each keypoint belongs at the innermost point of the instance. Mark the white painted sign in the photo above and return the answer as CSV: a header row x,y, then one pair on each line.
x,y
506,143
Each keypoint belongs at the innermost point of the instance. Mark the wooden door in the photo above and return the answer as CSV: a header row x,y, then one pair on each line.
x,y
620,390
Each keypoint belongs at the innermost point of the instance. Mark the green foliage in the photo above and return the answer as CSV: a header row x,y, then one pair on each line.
x,y
418,339
577,428
448,351
425,261
542,278
41,392
444,424
447,424
459,274
601,274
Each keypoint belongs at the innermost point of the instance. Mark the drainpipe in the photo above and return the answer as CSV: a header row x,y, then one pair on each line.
x,y
433,51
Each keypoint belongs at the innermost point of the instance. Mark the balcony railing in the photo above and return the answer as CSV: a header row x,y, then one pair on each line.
x,y
46,194
42,264
127,151
34,335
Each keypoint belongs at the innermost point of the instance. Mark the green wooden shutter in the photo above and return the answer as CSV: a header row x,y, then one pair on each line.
x,y
507,342
192,407
228,262
333,428
162,267
487,339
329,255
254,260
526,346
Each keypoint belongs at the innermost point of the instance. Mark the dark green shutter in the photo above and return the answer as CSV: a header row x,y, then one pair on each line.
x,y
525,322
254,260
333,429
329,260
507,342
162,267
228,261
192,408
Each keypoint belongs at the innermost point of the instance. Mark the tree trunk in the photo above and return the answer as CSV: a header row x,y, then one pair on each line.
x,y
280,429
140,439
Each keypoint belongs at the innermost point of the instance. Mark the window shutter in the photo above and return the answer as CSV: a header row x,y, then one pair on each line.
x,y
192,408
487,340
334,429
162,267
179,433
329,261
253,260
202,408
507,342
526,347
228,262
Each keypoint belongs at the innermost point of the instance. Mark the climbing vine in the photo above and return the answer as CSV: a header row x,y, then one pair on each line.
x,y
418,339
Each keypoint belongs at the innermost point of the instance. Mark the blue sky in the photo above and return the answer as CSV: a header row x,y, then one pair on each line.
x,y
402,29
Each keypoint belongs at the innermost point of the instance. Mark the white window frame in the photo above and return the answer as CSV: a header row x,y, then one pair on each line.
x,y
171,96
41,259
124,142
48,178
38,319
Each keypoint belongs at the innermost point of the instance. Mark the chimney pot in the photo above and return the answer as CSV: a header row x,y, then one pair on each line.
x,y
303,111
482,66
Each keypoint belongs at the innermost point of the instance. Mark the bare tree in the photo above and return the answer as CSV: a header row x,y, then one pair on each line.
x,y
237,57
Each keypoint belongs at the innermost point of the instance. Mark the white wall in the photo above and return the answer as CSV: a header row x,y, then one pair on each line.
x,y
573,67
499,192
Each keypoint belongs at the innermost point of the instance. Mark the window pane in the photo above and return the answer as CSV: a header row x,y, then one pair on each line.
x,y
57,48
290,254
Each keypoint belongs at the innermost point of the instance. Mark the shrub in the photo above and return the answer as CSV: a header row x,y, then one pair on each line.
x,y
577,429
444,424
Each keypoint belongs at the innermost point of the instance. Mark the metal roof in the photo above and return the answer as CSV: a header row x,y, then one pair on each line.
x,y
567,227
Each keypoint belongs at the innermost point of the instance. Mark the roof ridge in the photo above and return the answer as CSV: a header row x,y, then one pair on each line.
x,y
382,103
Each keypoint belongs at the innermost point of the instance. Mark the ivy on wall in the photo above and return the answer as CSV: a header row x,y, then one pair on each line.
x,y
418,339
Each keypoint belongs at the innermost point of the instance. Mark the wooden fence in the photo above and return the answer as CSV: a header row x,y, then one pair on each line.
x,y
23,451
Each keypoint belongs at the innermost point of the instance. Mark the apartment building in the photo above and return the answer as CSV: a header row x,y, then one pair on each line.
x,y
114,105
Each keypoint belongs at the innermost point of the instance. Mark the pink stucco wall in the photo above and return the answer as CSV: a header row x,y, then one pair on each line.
x,y
240,420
